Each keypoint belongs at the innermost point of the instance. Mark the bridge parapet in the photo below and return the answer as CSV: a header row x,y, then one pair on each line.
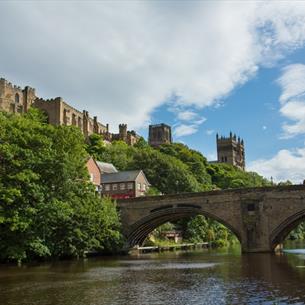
x,y
260,217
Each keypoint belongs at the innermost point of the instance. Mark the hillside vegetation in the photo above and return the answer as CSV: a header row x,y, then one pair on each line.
x,y
175,168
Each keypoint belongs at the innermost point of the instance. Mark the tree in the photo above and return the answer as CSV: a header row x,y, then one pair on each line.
x,y
48,207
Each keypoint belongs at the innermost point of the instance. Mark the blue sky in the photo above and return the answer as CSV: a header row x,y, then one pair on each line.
x,y
201,66
252,111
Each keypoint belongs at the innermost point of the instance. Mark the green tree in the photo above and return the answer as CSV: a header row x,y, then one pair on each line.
x,y
48,208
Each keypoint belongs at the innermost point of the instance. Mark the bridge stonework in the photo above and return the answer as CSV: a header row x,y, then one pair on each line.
x,y
261,218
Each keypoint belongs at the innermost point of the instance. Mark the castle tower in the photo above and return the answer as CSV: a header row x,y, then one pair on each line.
x,y
95,125
29,97
123,132
231,150
159,134
85,123
14,99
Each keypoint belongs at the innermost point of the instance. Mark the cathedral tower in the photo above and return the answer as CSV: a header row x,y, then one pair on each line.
x,y
231,150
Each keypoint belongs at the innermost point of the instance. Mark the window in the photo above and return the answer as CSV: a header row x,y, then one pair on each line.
x,y
139,186
17,98
130,186
122,186
91,177
79,122
144,187
114,187
251,207
107,187
74,119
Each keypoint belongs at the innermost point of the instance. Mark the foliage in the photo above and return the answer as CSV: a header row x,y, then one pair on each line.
x,y
195,161
96,145
47,206
226,176
152,191
174,168
298,232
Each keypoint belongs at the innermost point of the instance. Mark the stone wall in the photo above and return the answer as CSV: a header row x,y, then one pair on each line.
x,y
261,218
14,99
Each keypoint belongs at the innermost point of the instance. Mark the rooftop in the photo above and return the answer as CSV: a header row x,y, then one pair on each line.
x,y
106,168
123,176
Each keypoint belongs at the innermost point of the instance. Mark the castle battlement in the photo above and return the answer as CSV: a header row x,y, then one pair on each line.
x,y
6,83
15,99
13,87
231,138
51,100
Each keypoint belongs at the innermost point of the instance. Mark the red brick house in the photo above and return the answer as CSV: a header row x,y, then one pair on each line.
x,y
94,173
125,184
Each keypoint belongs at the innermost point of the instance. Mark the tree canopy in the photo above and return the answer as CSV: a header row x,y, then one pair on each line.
x,y
48,207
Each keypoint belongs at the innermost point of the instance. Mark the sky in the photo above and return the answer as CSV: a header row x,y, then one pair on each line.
x,y
203,67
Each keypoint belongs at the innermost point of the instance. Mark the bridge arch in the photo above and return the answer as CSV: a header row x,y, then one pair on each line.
x,y
280,233
261,218
140,230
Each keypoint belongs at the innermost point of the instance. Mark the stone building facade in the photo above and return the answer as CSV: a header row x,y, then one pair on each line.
x,y
61,113
231,150
159,134
129,137
14,99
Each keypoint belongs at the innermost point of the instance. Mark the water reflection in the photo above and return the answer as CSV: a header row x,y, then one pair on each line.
x,y
206,277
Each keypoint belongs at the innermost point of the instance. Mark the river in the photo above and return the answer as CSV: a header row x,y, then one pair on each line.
x,y
173,278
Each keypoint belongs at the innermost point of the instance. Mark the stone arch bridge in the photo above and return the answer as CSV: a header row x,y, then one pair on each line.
x,y
261,218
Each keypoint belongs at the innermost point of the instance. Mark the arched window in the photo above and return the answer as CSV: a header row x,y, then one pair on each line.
x,y
17,98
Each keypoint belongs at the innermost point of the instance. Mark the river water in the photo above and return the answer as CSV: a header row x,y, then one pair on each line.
x,y
173,278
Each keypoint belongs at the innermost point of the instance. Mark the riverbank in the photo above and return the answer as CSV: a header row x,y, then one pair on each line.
x,y
162,248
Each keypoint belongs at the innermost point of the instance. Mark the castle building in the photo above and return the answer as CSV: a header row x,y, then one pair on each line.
x,y
159,134
14,99
60,113
231,150
127,136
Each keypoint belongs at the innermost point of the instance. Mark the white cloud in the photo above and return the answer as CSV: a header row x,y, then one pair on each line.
x,y
185,130
292,99
186,115
209,132
286,164
121,60
264,127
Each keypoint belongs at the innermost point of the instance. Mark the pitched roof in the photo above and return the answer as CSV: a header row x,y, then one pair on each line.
x,y
123,176
106,168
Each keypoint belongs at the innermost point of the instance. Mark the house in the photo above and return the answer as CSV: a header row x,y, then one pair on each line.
x,y
94,173
175,236
125,184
